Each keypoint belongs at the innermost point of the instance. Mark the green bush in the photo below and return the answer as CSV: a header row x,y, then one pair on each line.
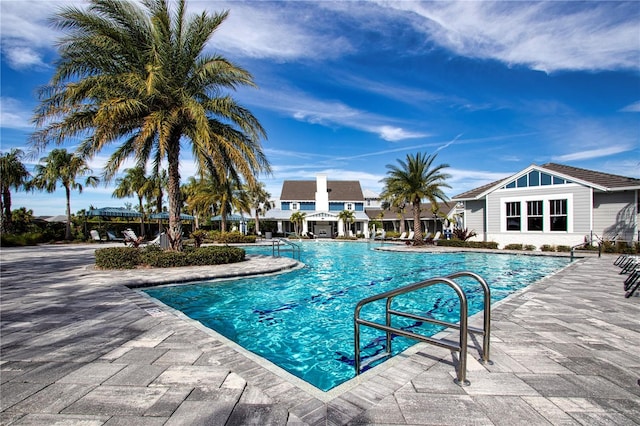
x,y
392,234
118,258
153,256
468,244
514,247
231,237
529,247
547,247
564,249
18,240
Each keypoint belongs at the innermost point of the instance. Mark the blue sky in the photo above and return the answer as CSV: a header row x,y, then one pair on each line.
x,y
346,88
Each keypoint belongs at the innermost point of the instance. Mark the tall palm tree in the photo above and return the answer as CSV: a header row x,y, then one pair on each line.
x,y
260,202
415,180
64,167
223,194
13,174
136,74
134,182
348,217
297,218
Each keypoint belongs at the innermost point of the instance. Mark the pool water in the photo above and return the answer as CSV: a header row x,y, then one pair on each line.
x,y
302,320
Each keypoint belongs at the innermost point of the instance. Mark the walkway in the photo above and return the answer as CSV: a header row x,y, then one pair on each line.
x,y
80,348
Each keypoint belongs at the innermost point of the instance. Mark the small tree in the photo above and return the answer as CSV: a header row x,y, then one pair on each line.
x,y
297,219
13,174
348,218
64,167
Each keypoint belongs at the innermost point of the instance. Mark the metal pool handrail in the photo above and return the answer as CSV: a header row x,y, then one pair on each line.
x,y
462,326
275,247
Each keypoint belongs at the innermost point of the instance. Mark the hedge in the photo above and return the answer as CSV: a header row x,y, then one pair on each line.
x,y
231,237
129,257
469,244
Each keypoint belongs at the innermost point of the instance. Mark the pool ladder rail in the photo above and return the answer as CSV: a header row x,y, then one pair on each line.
x,y
294,248
462,326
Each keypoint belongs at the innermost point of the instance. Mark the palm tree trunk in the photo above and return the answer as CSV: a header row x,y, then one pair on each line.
x,y
141,217
6,204
175,225
417,225
67,233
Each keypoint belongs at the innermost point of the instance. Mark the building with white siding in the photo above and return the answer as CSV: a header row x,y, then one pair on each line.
x,y
553,204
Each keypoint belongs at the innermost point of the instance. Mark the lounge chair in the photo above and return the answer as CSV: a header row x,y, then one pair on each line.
x,y
428,237
95,236
409,237
632,283
435,239
155,241
402,236
131,239
112,237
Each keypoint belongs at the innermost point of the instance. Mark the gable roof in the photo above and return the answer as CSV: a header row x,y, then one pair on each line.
x,y
598,180
605,180
305,190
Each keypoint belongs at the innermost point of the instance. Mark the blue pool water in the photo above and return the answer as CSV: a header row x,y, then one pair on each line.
x,y
303,320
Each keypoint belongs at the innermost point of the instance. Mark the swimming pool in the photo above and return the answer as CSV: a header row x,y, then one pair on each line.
x,y
302,321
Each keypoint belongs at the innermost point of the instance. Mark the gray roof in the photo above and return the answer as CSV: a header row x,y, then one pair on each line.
x,y
305,190
590,177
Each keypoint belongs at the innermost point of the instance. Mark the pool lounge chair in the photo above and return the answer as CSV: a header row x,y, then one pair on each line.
x,y
402,236
435,239
409,237
112,237
131,239
95,236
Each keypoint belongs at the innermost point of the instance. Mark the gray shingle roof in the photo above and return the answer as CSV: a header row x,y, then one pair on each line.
x,y
305,190
605,180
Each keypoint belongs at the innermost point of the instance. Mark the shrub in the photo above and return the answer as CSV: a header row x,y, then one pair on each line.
x,y
469,244
463,234
529,247
117,258
392,234
547,247
513,247
27,239
232,237
564,249
198,237
129,257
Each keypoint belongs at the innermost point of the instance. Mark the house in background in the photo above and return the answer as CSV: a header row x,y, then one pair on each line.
x,y
553,204
322,201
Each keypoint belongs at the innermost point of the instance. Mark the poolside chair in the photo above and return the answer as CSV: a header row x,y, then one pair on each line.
x,y
428,237
632,283
402,236
95,236
112,237
409,237
435,239
131,239
156,240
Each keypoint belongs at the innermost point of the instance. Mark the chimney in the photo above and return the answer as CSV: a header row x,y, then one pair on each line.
x,y
322,195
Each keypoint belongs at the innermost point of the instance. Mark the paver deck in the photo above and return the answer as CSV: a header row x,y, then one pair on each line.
x,y
79,347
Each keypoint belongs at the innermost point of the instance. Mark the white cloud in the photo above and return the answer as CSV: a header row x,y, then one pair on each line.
x,y
273,30
634,107
14,115
593,153
547,36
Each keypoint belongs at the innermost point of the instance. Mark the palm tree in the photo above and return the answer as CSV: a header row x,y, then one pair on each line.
x,y
64,167
348,218
297,218
134,182
13,174
224,195
136,74
260,202
413,181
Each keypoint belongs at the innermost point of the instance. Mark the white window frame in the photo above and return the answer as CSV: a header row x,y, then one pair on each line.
x,y
295,206
546,221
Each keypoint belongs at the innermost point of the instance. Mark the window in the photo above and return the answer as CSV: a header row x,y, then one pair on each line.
x,y
349,206
534,215
513,216
558,215
294,206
